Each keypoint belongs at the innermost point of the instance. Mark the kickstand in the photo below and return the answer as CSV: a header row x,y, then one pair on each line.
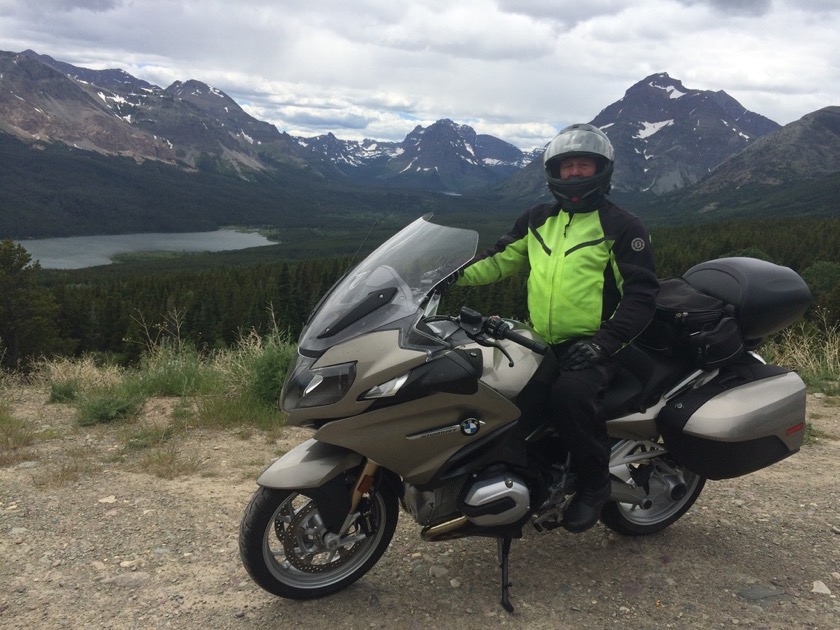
x,y
504,553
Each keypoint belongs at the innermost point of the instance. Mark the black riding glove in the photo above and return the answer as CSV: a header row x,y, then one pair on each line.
x,y
445,284
582,355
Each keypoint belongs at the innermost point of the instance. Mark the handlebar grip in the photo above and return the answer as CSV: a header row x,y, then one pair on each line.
x,y
526,342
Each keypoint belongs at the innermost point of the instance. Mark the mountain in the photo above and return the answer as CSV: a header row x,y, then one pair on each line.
x,y
40,103
667,136
444,156
189,124
806,149
794,171
100,151
193,125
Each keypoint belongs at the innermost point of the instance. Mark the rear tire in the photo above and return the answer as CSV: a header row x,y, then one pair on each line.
x,y
634,520
288,552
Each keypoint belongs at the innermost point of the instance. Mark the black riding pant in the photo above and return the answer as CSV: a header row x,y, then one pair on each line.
x,y
575,403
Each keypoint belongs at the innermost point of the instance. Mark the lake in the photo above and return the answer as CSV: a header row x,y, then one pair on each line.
x,y
76,252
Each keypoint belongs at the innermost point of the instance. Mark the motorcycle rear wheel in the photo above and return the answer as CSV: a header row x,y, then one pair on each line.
x,y
283,547
634,520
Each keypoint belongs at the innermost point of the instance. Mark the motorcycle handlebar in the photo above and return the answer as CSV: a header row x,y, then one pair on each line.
x,y
522,340
499,329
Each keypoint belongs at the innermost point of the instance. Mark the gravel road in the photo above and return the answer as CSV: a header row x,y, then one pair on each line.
x,y
90,539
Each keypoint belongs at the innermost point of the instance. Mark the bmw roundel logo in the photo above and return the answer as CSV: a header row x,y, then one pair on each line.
x,y
470,426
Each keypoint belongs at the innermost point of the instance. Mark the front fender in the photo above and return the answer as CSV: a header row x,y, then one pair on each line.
x,y
308,465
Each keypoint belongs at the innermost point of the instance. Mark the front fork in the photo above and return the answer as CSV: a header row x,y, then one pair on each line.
x,y
360,488
363,483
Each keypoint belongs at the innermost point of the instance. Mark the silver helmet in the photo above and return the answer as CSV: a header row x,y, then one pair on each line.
x,y
579,140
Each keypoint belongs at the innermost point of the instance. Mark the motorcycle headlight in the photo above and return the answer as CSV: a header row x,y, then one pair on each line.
x,y
316,387
387,389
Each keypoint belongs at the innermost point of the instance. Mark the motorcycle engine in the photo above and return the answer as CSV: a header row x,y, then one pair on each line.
x,y
432,507
490,499
500,498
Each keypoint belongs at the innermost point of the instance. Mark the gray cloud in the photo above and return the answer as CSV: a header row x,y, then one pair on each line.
x,y
518,69
737,7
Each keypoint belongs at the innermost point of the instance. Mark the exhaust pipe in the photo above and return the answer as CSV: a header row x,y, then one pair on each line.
x,y
433,533
675,487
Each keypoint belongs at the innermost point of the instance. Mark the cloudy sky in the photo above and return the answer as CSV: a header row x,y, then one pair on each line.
x,y
517,69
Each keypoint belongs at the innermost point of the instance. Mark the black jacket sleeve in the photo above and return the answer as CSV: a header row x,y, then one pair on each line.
x,y
636,280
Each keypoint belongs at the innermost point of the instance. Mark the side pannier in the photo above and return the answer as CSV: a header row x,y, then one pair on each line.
x,y
749,416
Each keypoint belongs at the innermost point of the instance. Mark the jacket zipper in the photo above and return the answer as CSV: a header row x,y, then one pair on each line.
x,y
557,272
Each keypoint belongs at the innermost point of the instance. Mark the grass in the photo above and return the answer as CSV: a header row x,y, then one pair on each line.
x,y
238,389
144,436
15,437
167,462
75,462
812,349
239,386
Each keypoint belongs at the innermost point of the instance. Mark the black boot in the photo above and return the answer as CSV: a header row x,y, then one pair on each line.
x,y
585,508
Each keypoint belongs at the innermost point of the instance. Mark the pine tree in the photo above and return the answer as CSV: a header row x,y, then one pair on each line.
x,y
28,313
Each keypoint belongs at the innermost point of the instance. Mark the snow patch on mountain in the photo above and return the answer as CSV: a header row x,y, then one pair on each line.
x,y
673,91
650,128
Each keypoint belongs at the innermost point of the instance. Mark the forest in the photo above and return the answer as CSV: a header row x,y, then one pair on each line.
x,y
212,300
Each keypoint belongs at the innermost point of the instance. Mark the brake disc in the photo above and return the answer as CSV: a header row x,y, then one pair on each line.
x,y
304,545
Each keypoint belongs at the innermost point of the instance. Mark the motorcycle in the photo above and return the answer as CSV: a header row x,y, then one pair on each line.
x,y
442,417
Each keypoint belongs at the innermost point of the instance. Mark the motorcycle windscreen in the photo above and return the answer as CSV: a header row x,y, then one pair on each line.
x,y
389,288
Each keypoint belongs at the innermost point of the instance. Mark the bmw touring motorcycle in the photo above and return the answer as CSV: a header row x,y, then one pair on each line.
x,y
423,412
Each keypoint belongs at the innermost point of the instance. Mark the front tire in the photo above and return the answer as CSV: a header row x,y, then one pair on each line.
x,y
286,549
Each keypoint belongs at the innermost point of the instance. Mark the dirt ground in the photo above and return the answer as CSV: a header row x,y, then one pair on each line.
x,y
89,538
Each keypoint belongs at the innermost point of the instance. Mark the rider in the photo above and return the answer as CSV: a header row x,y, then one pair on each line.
x,y
591,290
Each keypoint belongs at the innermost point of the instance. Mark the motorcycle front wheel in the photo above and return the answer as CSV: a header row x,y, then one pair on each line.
x,y
664,505
286,549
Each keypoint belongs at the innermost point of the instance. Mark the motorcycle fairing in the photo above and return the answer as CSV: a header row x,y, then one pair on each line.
x,y
308,465
429,430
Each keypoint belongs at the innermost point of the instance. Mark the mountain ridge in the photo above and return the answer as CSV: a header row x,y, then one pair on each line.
x,y
670,143
190,123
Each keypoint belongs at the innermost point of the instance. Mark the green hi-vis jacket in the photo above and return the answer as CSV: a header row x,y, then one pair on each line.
x,y
591,274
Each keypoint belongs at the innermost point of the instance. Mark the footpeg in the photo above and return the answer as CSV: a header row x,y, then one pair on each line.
x,y
547,522
551,517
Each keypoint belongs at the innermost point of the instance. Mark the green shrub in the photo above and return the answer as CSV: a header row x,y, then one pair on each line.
x,y
268,370
64,391
251,379
109,405
170,370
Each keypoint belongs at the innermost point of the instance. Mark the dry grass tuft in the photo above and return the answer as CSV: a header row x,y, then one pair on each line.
x,y
84,372
812,349
16,436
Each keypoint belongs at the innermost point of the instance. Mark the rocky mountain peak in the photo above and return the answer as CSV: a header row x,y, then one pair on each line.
x,y
659,85
667,136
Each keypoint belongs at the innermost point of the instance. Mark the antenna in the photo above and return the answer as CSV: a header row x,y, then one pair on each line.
x,y
364,240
